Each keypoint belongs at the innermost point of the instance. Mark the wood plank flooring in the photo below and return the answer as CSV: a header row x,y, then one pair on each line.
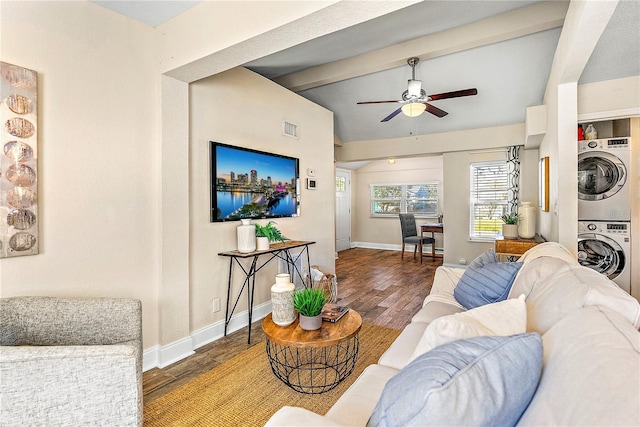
x,y
378,284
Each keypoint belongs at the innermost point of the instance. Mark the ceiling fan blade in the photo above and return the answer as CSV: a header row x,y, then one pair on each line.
x,y
454,94
435,110
392,115
377,102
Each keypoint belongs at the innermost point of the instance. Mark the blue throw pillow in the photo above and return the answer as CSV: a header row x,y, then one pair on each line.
x,y
485,281
488,257
478,381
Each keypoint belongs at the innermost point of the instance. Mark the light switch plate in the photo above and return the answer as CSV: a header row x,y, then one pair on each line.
x,y
312,184
311,172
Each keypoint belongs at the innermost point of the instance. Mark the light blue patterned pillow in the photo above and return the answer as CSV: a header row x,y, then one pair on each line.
x,y
485,281
477,381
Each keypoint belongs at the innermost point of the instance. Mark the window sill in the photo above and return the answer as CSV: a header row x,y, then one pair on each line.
x,y
395,216
482,239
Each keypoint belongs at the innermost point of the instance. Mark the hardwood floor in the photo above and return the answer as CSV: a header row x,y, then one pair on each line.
x,y
382,287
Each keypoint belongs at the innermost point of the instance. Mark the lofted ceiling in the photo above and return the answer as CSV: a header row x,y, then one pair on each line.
x,y
503,48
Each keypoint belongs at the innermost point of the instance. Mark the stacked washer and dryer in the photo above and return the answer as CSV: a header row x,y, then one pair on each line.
x,y
604,208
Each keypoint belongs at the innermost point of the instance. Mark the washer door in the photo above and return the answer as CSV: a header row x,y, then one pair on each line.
x,y
601,254
600,175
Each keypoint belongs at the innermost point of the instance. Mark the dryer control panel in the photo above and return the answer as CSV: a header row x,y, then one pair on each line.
x,y
617,228
603,144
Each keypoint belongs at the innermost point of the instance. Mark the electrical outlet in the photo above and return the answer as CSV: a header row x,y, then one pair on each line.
x,y
216,305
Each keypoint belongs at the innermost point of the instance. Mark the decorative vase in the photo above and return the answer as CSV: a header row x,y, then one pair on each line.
x,y
263,243
527,223
311,323
510,231
282,311
246,236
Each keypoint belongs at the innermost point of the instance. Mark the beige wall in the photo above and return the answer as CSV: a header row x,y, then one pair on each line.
x,y
113,138
385,232
220,112
97,149
457,209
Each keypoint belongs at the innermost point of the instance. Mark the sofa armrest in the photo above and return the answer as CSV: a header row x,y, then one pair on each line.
x,y
71,385
50,321
445,281
289,416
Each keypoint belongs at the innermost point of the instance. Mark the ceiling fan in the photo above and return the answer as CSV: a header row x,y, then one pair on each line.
x,y
416,100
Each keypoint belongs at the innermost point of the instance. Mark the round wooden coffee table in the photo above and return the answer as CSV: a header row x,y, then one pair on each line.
x,y
313,361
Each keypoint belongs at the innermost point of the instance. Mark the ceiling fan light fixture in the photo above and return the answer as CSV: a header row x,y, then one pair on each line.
x,y
413,109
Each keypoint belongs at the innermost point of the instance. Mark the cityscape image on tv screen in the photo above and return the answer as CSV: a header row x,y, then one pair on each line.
x,y
252,184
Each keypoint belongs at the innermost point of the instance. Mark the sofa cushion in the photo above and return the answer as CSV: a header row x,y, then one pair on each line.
x,y
357,403
399,354
502,318
485,281
556,288
434,309
477,381
591,372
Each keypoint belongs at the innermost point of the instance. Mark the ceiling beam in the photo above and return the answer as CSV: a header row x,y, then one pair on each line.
x,y
539,17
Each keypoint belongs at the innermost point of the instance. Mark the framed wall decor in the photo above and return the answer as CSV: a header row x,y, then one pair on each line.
x,y
18,161
543,184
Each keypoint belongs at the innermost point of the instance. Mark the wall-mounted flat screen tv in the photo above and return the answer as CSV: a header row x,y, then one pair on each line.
x,y
248,183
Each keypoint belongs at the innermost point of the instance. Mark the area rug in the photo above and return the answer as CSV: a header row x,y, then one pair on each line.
x,y
244,392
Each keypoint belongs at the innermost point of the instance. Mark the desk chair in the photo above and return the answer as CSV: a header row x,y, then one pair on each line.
x,y
410,234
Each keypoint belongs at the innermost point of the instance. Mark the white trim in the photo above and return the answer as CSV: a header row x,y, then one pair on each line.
x,y
389,247
175,351
150,358
215,331
164,356
609,115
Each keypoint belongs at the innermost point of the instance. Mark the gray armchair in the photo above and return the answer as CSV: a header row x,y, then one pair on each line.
x,y
410,234
70,362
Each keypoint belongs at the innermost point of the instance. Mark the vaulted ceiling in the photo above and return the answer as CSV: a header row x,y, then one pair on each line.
x,y
503,48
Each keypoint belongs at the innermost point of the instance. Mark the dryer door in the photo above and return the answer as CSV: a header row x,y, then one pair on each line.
x,y
601,254
600,175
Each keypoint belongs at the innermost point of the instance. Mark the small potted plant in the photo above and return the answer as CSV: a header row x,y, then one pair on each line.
x,y
510,226
268,233
309,303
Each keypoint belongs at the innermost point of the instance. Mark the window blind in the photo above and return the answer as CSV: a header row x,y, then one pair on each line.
x,y
489,198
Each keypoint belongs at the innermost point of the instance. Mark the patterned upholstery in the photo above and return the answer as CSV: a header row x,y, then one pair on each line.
x,y
410,233
70,361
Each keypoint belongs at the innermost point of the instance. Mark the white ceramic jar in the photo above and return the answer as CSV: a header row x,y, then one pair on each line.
x,y
527,223
282,311
246,236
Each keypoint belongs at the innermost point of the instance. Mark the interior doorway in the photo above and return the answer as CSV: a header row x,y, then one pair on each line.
x,y
343,209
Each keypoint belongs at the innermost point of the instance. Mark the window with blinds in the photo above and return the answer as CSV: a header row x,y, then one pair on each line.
x,y
489,196
392,199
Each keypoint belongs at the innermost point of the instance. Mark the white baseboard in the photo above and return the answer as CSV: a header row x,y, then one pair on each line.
x,y
389,247
162,356
215,331
175,351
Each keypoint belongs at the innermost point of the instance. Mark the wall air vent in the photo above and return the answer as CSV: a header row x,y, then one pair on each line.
x,y
290,129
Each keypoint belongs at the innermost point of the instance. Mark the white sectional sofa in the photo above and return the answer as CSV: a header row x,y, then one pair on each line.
x,y
590,372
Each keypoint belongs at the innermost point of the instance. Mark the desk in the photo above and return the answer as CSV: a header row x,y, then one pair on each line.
x,y
514,248
430,228
313,361
277,250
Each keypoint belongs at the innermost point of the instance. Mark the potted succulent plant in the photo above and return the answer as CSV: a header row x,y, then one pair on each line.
x,y
309,303
268,233
510,226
